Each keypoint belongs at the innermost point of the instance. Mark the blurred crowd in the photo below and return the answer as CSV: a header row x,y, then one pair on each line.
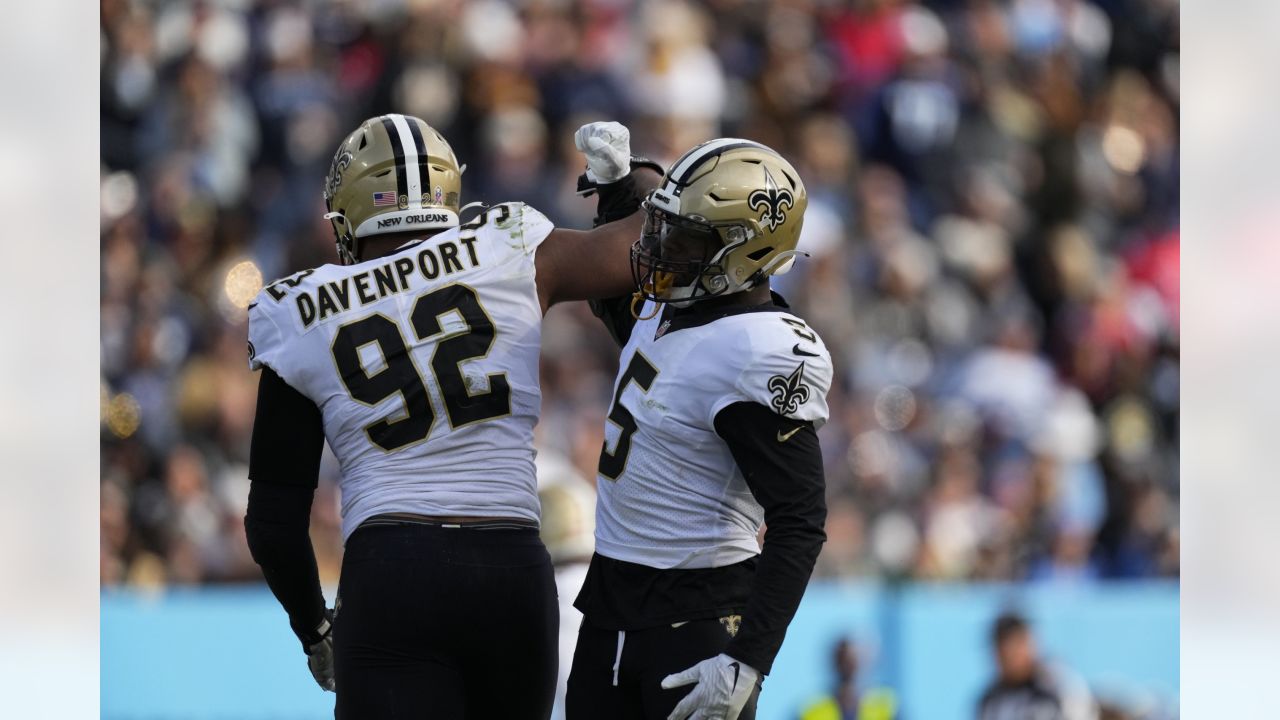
x,y
992,231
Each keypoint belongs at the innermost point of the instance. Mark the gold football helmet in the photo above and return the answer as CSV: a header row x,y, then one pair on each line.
x,y
726,216
395,173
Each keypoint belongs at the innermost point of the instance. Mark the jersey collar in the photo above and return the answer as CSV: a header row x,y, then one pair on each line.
x,y
699,314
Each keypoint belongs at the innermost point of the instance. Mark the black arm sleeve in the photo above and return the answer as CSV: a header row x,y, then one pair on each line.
x,y
616,315
615,201
284,465
782,464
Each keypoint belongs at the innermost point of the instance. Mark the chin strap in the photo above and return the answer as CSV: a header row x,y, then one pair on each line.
x,y
345,254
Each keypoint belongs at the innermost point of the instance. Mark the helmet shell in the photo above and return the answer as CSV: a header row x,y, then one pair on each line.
x,y
394,173
750,194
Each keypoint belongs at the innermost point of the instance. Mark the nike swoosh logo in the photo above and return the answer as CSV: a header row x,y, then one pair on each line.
x,y
786,437
736,669
798,351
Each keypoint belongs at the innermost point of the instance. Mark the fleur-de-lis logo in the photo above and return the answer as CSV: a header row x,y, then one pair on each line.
x,y
341,162
731,624
789,392
772,202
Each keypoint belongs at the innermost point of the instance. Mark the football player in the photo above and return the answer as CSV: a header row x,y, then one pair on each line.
x,y
416,358
711,432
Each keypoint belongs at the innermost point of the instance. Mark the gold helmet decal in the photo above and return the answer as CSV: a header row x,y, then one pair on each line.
x,y
771,202
393,174
341,162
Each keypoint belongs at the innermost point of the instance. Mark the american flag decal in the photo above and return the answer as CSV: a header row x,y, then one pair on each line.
x,y
383,199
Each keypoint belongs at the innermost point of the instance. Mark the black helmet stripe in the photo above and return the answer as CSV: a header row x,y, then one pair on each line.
x,y
424,172
397,148
683,171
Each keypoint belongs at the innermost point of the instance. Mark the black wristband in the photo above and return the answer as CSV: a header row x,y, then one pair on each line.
x,y
312,633
616,199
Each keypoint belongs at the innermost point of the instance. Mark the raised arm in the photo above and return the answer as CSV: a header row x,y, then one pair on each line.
x,y
585,265
596,264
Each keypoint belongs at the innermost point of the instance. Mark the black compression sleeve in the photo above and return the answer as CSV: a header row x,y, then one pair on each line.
x,y
616,315
782,464
615,201
288,435
622,197
284,462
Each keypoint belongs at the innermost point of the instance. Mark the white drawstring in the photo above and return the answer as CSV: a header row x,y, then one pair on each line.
x,y
617,661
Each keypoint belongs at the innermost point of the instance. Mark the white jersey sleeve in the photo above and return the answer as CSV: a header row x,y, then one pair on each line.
x,y
264,339
782,365
270,328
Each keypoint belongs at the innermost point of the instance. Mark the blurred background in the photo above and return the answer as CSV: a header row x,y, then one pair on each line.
x,y
994,263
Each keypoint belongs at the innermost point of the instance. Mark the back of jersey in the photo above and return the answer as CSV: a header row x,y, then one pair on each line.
x,y
424,364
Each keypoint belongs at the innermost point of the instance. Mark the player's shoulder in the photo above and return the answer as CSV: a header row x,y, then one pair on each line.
x,y
775,338
270,324
274,294
517,224
780,362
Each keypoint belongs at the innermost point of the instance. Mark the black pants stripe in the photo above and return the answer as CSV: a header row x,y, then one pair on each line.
x,y
450,623
647,657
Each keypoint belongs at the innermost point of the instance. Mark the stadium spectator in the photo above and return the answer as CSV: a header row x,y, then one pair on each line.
x,y
848,700
1025,688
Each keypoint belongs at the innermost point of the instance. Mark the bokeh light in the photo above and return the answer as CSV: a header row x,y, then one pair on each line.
x,y
244,281
895,407
1124,149
119,195
124,415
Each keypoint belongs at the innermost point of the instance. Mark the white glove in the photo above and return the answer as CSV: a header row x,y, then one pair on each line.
x,y
723,687
607,146
320,657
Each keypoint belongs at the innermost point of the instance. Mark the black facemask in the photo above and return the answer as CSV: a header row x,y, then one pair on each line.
x,y
674,252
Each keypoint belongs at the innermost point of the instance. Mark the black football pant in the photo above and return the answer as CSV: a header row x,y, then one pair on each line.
x,y
445,622
619,677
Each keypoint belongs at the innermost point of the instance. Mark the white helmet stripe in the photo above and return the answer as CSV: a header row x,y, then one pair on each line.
x,y
412,168
702,152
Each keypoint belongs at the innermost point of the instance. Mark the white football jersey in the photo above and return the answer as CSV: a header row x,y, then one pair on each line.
x,y
670,493
424,364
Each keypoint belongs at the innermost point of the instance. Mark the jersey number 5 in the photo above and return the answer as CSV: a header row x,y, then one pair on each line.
x,y
463,405
642,373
